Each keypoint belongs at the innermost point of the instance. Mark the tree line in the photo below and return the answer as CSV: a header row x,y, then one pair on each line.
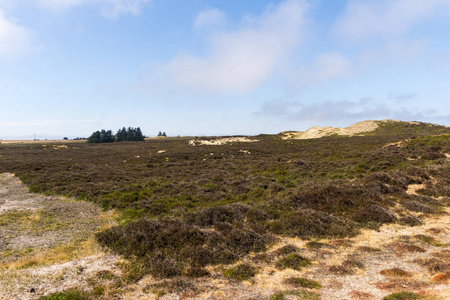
x,y
124,134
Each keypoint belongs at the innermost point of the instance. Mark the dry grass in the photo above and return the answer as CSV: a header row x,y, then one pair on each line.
x,y
395,272
433,265
357,295
402,284
442,278
59,254
401,248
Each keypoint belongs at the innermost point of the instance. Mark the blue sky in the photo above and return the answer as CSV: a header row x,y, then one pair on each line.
x,y
204,67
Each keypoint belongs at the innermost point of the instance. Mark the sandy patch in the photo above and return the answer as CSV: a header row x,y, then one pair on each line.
x,y
318,132
221,141
47,243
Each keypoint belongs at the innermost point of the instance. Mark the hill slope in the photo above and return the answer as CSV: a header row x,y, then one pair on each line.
x,y
364,128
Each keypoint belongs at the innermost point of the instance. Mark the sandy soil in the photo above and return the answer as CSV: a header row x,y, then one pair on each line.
x,y
221,141
47,243
318,132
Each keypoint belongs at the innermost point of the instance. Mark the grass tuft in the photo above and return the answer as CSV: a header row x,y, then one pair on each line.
x,y
293,261
403,296
240,272
300,282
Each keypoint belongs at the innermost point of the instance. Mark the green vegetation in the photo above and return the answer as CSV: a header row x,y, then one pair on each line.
x,y
300,282
402,296
184,208
67,295
124,134
298,294
240,272
293,261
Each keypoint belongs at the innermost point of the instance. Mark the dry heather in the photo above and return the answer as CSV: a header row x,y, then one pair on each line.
x,y
364,267
361,217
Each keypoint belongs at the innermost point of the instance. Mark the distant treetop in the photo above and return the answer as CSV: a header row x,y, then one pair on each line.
x,y
124,134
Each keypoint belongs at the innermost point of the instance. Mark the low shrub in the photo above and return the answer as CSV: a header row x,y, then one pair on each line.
x,y
417,206
296,294
400,248
402,296
287,249
176,285
353,263
434,265
395,272
313,224
300,282
341,270
368,249
240,272
428,240
374,213
433,155
410,221
169,247
71,294
293,261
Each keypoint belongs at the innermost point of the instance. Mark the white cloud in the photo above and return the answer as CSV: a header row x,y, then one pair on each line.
x,y
242,59
14,39
363,19
59,5
110,8
114,8
328,66
47,122
209,17
329,112
336,66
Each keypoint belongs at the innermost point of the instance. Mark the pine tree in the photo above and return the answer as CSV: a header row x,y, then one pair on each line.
x,y
94,138
138,135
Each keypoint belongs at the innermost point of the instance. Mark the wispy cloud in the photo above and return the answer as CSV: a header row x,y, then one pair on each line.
x,y
238,60
336,66
364,19
15,40
47,122
209,18
109,8
343,110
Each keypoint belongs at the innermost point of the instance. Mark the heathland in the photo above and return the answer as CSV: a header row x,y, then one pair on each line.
x,y
362,216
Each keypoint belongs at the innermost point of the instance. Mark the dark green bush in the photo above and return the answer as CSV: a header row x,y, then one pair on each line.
x,y
67,295
313,224
298,294
293,261
287,249
402,296
300,282
240,272
374,213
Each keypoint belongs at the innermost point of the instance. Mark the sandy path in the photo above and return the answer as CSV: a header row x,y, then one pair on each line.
x,y
46,242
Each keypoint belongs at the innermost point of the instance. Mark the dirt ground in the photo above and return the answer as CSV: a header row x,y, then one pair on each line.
x,y
47,245
46,242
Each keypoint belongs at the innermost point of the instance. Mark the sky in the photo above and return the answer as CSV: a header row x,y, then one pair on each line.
x,y
209,67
